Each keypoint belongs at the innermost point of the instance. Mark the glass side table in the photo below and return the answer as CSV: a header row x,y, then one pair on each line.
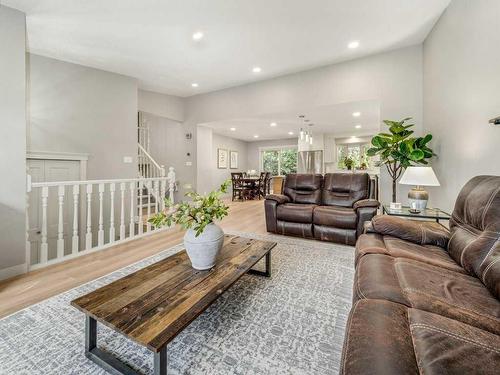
x,y
428,213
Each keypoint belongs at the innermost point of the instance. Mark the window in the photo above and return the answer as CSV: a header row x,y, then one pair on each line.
x,y
355,151
279,161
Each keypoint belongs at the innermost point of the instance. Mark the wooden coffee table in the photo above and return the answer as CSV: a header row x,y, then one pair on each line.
x,y
151,306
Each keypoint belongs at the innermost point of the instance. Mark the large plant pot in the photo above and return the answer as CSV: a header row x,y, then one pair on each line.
x,y
203,250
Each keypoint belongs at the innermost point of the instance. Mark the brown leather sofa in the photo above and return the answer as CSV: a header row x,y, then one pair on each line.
x,y
333,208
426,300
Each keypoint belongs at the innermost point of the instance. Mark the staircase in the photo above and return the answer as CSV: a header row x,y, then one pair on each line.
x,y
149,196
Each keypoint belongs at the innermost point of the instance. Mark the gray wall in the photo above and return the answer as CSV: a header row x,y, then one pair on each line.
x,y
209,176
73,108
461,93
166,138
168,106
12,142
254,152
230,144
393,78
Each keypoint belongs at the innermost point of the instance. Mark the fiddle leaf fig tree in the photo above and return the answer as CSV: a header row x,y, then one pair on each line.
x,y
399,150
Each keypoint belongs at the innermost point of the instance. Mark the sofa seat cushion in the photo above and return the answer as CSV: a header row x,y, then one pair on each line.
x,y
335,216
295,213
430,288
374,243
388,338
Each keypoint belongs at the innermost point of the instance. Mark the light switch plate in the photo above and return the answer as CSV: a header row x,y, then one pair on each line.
x,y
187,186
189,163
128,159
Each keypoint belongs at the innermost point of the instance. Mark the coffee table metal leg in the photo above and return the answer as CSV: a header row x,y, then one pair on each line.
x,y
267,272
161,362
106,360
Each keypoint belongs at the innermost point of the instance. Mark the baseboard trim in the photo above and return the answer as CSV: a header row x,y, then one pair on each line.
x,y
7,273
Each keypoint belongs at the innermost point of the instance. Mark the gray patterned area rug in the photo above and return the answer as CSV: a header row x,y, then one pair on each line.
x,y
292,323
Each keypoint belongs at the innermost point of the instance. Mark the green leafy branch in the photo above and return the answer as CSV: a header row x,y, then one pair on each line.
x,y
195,214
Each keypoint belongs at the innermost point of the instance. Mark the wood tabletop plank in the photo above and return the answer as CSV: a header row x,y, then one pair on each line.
x,y
152,305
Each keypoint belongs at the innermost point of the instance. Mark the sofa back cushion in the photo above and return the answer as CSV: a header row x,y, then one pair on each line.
x,y
303,188
475,230
343,189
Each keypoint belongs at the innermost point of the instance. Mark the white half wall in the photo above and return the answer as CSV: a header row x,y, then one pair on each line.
x,y
12,142
393,78
461,93
77,109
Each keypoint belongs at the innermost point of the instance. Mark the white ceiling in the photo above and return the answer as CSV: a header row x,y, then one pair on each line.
x,y
152,40
335,119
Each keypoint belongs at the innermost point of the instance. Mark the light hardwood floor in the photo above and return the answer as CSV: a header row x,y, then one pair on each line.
x,y
25,290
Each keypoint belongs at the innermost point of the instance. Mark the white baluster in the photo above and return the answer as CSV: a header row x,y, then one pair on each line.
x,y
112,213
100,233
27,219
157,195
60,229
148,190
122,211
131,224
88,236
163,185
74,239
140,192
44,248
171,184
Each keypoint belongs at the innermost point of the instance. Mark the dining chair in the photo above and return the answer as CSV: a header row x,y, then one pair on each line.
x,y
267,189
261,185
239,188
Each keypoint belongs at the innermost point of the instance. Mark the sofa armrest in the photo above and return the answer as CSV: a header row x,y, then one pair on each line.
x,y
278,198
365,210
416,231
366,203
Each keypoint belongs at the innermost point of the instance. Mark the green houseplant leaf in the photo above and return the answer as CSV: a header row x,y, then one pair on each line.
x,y
398,149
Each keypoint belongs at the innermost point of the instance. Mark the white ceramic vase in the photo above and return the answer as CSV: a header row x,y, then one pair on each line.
x,y
203,250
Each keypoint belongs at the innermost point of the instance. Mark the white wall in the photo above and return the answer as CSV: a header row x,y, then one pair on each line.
x,y
461,93
12,142
253,154
168,106
393,78
73,108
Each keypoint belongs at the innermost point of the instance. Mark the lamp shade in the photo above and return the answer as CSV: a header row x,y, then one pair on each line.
x,y
419,176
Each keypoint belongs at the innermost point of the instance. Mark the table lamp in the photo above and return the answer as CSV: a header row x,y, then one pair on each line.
x,y
419,176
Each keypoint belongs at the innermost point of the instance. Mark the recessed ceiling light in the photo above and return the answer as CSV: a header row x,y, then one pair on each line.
x,y
358,126
232,129
256,69
356,114
256,136
273,124
198,35
290,133
354,44
194,85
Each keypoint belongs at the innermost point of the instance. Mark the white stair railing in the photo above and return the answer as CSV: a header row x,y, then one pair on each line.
x,y
148,166
78,217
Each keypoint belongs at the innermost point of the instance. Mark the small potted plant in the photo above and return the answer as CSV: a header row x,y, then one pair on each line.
x,y
348,162
203,239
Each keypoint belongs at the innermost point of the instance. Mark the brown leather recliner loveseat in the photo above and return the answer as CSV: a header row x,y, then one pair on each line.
x,y
426,300
330,208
